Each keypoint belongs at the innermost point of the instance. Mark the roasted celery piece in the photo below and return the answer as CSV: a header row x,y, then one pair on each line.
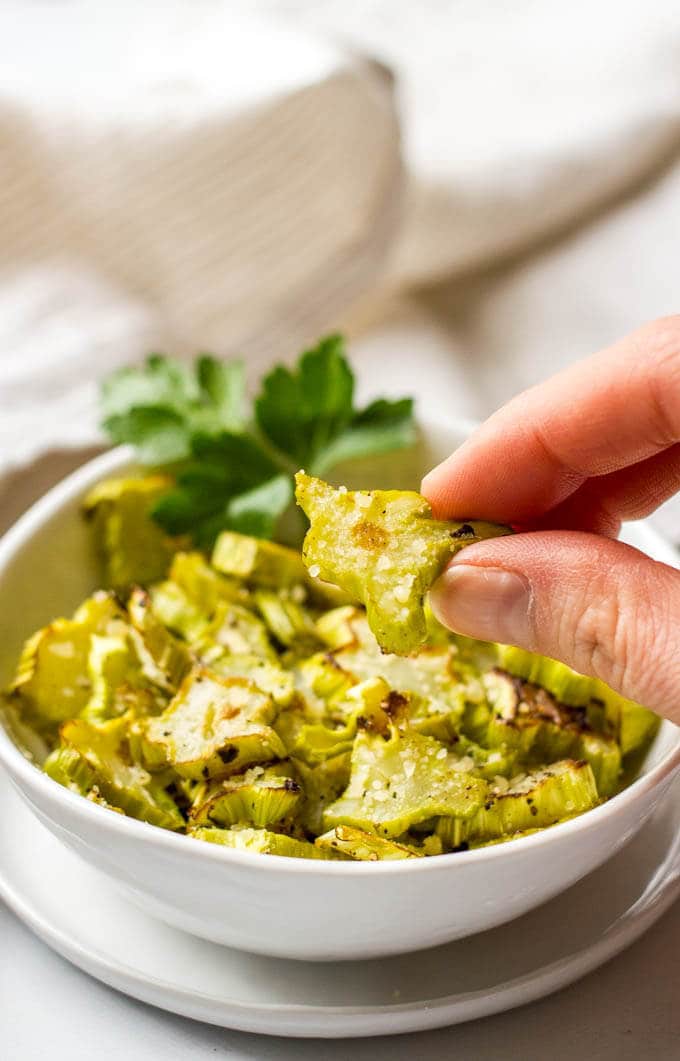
x,y
488,763
539,728
399,782
214,727
566,684
133,547
365,706
633,725
52,683
383,547
289,622
323,676
322,784
530,801
203,584
604,756
363,847
432,676
259,841
95,759
176,611
268,564
237,630
259,797
164,659
344,626
110,664
261,562
267,675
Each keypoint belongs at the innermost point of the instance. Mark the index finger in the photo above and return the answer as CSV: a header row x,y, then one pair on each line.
x,y
599,415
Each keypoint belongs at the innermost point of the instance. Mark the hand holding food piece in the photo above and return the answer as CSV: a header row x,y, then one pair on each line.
x,y
569,460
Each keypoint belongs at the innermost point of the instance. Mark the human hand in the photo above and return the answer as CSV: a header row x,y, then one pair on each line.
x,y
567,461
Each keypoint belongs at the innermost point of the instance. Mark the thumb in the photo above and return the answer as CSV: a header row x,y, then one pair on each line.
x,y
599,605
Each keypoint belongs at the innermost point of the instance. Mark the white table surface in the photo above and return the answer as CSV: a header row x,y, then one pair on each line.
x,y
629,1010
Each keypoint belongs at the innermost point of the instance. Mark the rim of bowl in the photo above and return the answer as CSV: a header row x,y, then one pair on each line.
x,y
14,760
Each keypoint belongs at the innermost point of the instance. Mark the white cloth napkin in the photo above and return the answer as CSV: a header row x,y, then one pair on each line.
x,y
204,174
180,176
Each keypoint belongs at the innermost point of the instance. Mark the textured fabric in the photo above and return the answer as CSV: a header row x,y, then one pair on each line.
x,y
175,175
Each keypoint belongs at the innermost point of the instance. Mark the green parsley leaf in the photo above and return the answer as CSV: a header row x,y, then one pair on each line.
x,y
232,475
221,470
302,410
159,407
382,427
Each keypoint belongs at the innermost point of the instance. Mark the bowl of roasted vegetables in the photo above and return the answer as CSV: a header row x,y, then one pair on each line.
x,y
278,747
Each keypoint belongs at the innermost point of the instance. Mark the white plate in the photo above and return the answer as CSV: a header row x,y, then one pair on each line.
x,y
78,912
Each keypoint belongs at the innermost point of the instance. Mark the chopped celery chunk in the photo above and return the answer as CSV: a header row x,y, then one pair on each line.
x,y
530,801
363,847
203,584
214,727
267,675
288,621
259,841
399,782
254,560
94,758
260,797
52,681
164,659
633,725
133,547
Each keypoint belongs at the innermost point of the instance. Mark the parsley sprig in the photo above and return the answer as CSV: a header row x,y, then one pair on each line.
x,y
233,470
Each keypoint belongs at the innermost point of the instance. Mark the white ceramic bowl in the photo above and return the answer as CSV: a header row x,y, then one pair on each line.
x,y
281,906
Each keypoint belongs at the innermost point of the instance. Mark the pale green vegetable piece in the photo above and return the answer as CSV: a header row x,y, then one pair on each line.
x,y
344,626
95,759
566,684
255,560
539,728
633,724
260,797
164,659
214,727
52,682
364,847
176,611
604,756
271,565
237,630
367,705
266,674
323,676
322,784
400,782
529,801
259,841
289,622
431,676
203,584
383,547
110,664
133,547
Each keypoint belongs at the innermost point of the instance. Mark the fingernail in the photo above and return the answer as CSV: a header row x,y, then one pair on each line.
x,y
483,602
